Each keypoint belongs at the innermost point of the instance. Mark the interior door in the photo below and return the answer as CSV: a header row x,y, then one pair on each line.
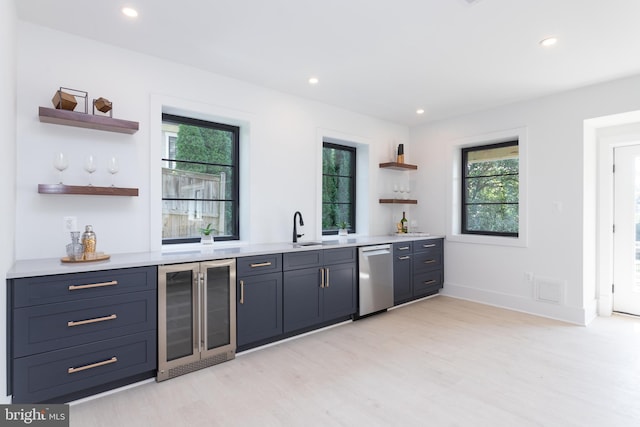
x,y
626,264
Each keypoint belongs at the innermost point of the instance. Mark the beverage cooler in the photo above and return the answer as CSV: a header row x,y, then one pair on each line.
x,y
196,316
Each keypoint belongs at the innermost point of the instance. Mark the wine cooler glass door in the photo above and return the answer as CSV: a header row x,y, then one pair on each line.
x,y
178,315
219,329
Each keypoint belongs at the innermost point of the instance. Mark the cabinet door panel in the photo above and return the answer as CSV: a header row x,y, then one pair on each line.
x,y
339,295
402,289
259,303
301,302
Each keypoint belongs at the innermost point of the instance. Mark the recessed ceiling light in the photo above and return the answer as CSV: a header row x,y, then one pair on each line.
x,y
419,111
130,12
313,81
549,41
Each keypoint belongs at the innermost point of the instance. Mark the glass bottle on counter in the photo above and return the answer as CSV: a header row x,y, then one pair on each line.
x,y
403,223
89,242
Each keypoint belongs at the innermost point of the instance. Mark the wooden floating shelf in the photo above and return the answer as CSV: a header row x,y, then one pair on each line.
x,y
398,166
399,201
89,121
89,190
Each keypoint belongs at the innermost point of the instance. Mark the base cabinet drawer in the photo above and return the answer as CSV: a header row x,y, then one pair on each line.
x,y
46,377
427,283
55,326
77,286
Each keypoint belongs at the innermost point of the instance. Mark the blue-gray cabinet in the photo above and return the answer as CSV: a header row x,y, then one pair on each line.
x,y
319,287
78,334
418,269
402,283
258,299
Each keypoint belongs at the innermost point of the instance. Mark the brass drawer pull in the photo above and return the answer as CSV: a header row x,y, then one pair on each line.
x,y
93,365
404,257
404,248
241,291
430,261
322,277
96,320
261,264
430,282
327,270
93,285
433,245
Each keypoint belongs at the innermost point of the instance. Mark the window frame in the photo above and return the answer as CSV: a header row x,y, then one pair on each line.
x,y
353,186
514,142
235,166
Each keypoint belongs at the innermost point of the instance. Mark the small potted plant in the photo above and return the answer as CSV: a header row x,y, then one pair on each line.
x,y
207,237
342,228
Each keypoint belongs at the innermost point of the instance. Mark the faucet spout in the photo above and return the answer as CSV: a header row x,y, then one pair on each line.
x,y
295,226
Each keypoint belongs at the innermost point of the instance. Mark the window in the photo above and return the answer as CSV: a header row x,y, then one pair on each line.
x,y
200,179
338,188
490,190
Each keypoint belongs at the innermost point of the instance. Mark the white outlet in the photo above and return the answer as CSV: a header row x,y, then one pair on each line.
x,y
70,223
529,276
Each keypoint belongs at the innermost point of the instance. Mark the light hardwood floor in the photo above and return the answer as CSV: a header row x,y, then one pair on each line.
x,y
438,362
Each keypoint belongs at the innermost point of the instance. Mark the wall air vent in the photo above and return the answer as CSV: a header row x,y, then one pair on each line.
x,y
549,290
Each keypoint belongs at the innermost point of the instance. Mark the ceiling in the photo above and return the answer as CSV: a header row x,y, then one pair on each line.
x,y
381,58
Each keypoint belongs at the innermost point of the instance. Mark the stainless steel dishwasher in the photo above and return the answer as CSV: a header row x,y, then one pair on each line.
x,y
376,278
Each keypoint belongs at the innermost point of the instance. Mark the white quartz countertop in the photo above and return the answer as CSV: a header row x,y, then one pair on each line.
x,y
50,266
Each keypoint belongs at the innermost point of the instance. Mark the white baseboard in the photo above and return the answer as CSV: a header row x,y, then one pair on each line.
x,y
578,316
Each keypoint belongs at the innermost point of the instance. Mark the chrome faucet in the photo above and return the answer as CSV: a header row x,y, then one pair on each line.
x,y
295,228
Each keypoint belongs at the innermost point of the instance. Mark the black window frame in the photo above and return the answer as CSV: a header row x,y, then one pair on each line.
x,y
235,166
463,193
352,202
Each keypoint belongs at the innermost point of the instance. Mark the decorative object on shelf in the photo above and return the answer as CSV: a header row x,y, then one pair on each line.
x,y
60,162
103,105
86,190
207,237
75,249
401,153
67,101
113,168
89,243
90,166
343,229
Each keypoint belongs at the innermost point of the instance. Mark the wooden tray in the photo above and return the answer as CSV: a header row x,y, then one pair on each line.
x,y
99,257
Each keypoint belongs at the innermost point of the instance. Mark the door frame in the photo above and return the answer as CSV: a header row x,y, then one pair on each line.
x,y
609,136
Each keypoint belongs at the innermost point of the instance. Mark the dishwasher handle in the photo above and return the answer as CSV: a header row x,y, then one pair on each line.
x,y
375,250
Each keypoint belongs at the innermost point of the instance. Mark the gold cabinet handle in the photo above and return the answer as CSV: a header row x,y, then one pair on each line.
x,y
86,322
261,264
404,257
322,277
327,270
430,282
429,246
241,291
92,285
430,261
404,248
93,365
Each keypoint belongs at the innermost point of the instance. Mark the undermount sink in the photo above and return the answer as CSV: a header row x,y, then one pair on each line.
x,y
303,244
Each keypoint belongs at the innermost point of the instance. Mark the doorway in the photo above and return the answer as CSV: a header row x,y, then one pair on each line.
x,y
626,238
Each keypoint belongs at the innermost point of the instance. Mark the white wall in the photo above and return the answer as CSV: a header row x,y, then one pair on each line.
x,y
561,174
8,21
281,168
